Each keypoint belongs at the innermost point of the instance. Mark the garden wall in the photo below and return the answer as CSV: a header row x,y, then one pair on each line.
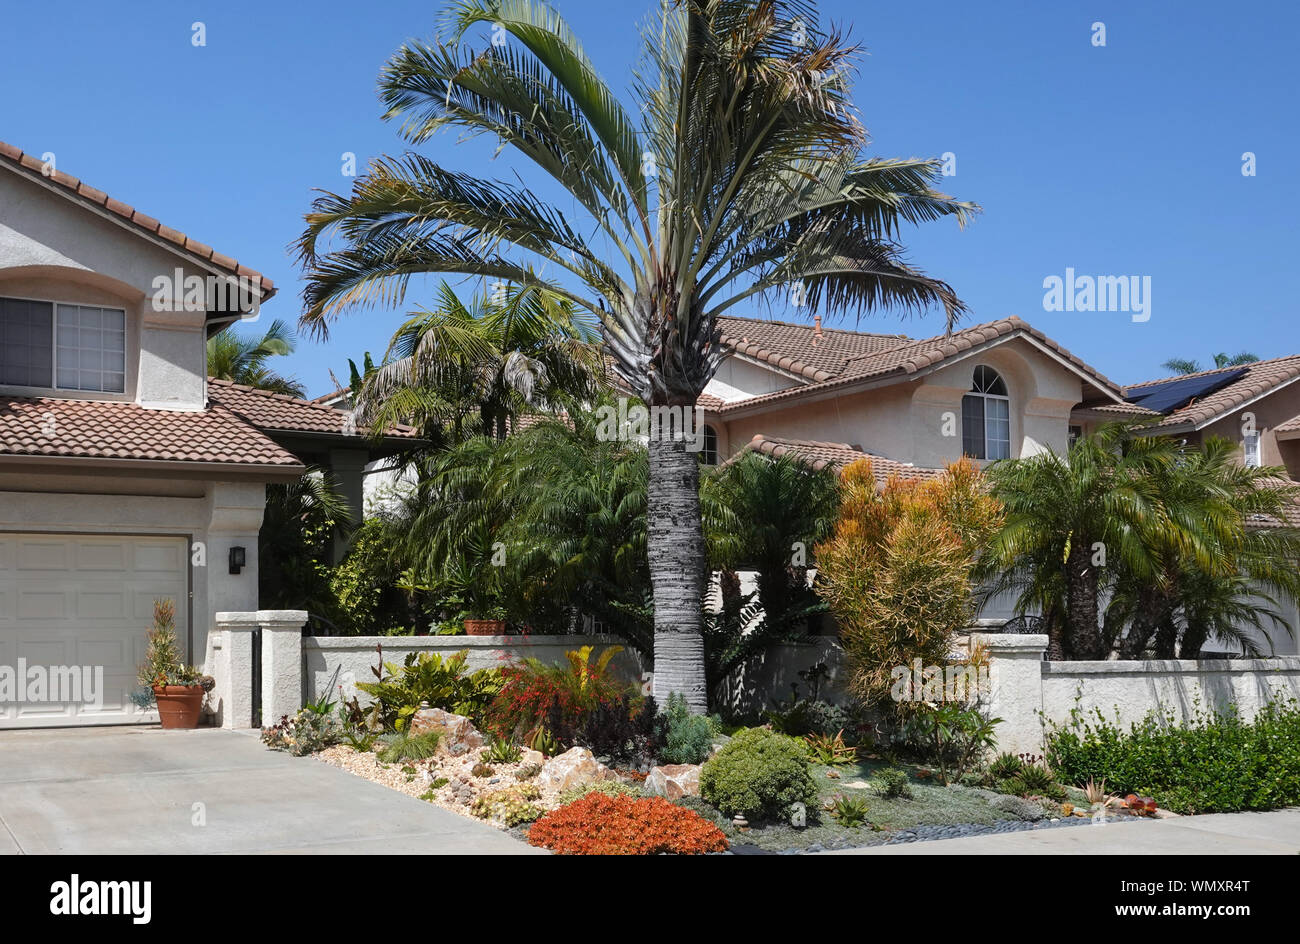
x,y
767,677
1024,689
352,657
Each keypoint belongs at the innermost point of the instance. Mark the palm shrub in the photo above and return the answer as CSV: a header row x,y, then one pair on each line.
x,y
242,358
897,570
736,171
758,774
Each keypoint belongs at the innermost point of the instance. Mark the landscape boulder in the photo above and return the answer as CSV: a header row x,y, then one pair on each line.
x,y
674,781
459,735
574,768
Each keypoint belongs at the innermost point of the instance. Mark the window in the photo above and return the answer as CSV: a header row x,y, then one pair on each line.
x,y
1250,446
986,417
1075,434
66,347
709,454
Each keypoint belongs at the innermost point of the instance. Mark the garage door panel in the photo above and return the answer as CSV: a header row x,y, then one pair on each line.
x,y
37,554
86,600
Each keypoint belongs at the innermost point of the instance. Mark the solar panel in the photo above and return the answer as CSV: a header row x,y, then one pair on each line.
x,y
1177,393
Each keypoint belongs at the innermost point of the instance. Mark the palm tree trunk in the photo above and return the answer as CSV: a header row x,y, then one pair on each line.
x,y
675,546
1081,616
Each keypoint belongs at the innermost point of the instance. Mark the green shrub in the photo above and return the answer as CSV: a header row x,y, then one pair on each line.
x,y
1005,766
511,805
1216,763
501,752
893,782
401,746
759,773
689,736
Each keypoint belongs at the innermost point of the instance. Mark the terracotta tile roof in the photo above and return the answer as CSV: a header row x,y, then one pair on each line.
x,y
102,429
819,455
710,403
1290,426
29,165
796,348
903,358
1119,409
1259,378
279,412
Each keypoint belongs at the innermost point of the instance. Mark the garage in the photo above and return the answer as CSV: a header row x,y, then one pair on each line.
x,y
74,609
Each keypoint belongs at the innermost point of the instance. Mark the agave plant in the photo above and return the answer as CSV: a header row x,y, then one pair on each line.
x,y
737,175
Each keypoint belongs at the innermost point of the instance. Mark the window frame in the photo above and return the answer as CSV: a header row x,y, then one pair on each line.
x,y
55,304
983,397
1252,450
708,449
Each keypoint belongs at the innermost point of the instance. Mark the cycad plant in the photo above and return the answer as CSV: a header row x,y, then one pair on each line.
x,y
737,174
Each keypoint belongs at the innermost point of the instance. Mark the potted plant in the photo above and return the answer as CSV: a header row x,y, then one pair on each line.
x,y
174,688
487,621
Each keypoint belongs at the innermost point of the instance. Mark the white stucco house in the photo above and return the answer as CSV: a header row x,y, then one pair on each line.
x,y
125,473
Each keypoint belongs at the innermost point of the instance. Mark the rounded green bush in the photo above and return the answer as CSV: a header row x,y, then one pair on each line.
x,y
758,774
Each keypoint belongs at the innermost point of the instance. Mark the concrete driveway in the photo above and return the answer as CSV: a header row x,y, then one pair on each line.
x,y
144,790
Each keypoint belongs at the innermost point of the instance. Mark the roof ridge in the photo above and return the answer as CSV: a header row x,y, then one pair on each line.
x,y
810,327
78,188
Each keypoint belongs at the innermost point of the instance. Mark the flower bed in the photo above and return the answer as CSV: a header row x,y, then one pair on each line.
x,y
621,825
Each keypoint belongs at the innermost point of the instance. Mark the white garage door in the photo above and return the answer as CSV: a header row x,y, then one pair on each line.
x,y
75,607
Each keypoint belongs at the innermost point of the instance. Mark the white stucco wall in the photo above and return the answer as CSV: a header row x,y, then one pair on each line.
x,y
54,250
353,657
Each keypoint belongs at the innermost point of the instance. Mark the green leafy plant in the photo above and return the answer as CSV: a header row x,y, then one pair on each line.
x,y
1032,780
162,663
758,774
849,811
401,746
1004,767
427,678
830,751
501,752
951,736
893,782
689,737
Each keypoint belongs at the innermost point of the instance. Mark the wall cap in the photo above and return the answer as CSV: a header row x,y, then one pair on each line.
x,y
1003,642
458,642
1277,665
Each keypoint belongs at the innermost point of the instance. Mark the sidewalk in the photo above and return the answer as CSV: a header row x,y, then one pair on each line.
x,y
1275,833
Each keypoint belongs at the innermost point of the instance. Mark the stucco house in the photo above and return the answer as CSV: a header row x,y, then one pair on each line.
x,y
125,473
991,391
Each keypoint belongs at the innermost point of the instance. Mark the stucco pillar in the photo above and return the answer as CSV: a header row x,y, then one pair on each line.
x,y
1015,689
281,663
349,468
232,668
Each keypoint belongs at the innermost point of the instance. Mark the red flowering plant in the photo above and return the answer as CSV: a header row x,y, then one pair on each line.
x,y
553,707
622,825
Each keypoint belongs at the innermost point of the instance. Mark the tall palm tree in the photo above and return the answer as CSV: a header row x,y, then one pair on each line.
x,y
1181,365
243,358
738,174
458,369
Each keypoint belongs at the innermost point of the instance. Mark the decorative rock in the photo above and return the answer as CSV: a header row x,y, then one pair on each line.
x,y
798,815
573,768
458,732
674,781
530,757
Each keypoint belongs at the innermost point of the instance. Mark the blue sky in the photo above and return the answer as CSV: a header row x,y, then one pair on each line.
x,y
1117,160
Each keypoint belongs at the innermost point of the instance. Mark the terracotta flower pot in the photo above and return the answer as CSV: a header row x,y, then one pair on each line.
x,y
480,627
179,706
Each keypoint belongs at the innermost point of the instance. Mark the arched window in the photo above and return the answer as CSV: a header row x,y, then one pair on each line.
x,y
986,417
709,454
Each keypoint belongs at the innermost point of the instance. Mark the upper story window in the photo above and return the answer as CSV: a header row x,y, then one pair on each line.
x,y
709,454
64,347
986,417
1250,446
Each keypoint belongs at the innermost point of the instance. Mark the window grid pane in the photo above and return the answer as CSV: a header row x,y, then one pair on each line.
x,y
972,426
91,353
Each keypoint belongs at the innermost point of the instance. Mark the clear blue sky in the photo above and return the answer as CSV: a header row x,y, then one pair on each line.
x,y
1122,160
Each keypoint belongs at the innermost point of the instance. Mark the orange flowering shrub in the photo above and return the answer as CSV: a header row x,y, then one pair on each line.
x,y
621,825
897,570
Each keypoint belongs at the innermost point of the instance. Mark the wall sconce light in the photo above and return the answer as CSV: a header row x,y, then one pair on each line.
x,y
236,559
